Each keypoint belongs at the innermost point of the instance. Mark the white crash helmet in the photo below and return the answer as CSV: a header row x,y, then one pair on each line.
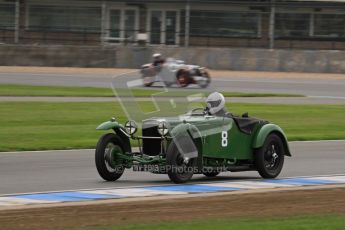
x,y
215,102
157,56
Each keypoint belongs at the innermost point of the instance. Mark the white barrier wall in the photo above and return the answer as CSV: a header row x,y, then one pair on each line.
x,y
320,61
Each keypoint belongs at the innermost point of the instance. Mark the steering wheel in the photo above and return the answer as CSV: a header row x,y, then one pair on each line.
x,y
192,112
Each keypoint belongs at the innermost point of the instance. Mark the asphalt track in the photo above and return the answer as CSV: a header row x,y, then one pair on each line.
x,y
26,172
316,87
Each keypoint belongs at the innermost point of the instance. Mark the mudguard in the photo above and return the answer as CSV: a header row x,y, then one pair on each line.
x,y
185,137
264,131
109,125
119,130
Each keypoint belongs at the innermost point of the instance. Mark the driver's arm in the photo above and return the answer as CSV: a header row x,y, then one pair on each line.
x,y
229,115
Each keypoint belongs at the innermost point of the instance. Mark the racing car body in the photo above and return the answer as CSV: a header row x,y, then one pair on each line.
x,y
175,71
194,143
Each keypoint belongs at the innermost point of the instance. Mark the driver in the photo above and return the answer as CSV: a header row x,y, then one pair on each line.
x,y
216,105
157,59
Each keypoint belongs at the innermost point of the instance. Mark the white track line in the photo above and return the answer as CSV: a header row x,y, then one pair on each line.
x,y
152,191
327,97
164,184
48,151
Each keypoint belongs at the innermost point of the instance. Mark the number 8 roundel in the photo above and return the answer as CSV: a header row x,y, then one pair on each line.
x,y
224,138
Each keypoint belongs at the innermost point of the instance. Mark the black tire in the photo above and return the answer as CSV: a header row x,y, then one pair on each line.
x,y
211,174
177,170
107,170
267,163
183,79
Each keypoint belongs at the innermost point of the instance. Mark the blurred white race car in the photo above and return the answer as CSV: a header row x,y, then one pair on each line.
x,y
172,71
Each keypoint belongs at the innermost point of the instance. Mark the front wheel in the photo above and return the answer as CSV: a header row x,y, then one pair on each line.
x,y
109,166
180,170
269,159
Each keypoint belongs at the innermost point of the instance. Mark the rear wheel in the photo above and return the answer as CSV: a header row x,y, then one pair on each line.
x,y
180,170
108,164
183,78
269,159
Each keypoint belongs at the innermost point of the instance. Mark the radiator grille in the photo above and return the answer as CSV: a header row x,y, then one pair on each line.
x,y
151,147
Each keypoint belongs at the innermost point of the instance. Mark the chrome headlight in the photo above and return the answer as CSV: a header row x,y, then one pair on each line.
x,y
163,128
131,127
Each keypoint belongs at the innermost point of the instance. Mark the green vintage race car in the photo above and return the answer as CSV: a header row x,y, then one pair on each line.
x,y
195,143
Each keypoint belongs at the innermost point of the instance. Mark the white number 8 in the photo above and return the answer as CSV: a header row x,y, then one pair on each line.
x,y
224,138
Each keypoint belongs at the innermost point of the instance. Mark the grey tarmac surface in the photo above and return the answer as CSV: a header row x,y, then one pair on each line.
x,y
24,172
320,87
268,100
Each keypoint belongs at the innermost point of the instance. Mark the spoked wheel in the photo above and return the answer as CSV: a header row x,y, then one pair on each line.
x,y
206,80
180,170
183,79
109,165
269,159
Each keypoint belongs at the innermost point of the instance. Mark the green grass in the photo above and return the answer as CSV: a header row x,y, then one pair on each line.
x,y
63,91
329,222
60,91
300,122
67,125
